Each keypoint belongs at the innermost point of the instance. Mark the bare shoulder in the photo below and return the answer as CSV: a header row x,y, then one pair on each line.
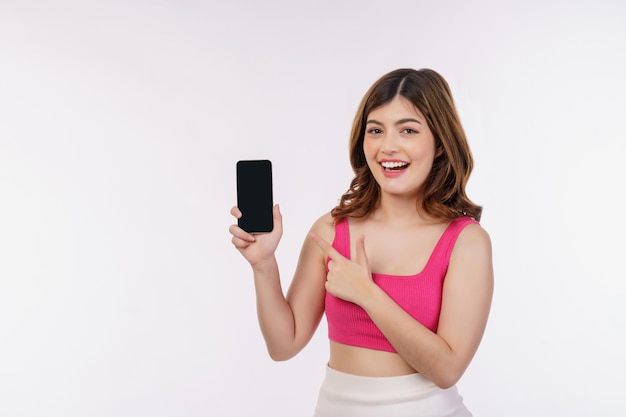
x,y
324,227
472,254
473,240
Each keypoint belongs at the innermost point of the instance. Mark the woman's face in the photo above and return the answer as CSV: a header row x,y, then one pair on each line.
x,y
399,147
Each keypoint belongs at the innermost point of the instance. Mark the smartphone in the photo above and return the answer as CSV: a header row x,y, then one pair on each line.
x,y
254,195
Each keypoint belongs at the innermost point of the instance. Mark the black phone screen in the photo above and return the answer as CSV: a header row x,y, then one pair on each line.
x,y
254,195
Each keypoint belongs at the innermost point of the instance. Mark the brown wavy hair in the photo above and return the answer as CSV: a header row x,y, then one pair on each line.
x,y
443,194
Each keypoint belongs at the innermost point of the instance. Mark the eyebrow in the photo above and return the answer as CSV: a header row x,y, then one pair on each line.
x,y
399,122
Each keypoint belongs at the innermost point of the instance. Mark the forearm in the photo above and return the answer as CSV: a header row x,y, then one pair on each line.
x,y
425,351
275,316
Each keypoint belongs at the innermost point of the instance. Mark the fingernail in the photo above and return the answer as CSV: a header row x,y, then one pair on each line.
x,y
251,238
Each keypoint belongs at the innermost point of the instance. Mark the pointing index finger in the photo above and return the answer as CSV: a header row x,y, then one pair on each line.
x,y
326,247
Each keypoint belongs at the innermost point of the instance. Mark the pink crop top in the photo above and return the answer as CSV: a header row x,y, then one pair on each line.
x,y
419,295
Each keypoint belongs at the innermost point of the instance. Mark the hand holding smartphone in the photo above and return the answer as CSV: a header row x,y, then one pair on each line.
x,y
254,196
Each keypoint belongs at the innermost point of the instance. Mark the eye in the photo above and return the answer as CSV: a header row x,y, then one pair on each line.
x,y
374,131
409,130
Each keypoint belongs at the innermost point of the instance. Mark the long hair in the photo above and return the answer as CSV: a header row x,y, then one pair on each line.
x,y
443,195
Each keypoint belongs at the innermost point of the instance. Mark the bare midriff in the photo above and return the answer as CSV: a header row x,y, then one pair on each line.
x,y
367,362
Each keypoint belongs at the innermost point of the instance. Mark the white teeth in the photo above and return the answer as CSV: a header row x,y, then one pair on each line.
x,y
390,165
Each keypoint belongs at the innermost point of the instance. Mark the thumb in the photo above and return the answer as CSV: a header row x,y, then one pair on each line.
x,y
361,256
278,218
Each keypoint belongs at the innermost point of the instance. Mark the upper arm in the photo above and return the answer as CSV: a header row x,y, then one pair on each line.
x,y
467,294
307,289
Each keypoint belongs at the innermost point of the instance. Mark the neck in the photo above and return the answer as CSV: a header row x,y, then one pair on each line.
x,y
400,210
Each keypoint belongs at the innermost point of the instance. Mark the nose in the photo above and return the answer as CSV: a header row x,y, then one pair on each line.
x,y
389,145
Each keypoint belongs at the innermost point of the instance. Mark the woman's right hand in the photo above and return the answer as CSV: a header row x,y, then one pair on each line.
x,y
257,248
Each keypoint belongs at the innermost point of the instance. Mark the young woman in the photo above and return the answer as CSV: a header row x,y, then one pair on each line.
x,y
401,266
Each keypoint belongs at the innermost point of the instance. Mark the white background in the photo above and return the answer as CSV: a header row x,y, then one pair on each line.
x,y
120,126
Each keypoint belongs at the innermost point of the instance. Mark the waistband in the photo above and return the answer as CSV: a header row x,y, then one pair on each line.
x,y
374,389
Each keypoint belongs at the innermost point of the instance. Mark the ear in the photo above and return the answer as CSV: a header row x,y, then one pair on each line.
x,y
438,151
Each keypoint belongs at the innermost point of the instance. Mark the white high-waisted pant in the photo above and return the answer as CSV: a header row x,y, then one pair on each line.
x,y
346,395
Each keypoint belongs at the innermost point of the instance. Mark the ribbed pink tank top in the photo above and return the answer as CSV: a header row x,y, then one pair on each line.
x,y
419,295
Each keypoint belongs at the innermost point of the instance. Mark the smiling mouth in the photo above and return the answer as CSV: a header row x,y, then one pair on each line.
x,y
394,166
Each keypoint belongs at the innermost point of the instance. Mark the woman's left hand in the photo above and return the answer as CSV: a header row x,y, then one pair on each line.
x,y
350,280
